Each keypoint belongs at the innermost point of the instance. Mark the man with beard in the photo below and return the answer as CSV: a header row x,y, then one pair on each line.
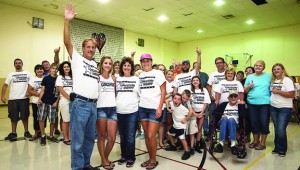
x,y
18,101
183,81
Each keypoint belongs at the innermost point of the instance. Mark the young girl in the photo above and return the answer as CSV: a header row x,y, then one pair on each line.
x,y
200,99
106,112
64,84
34,89
116,69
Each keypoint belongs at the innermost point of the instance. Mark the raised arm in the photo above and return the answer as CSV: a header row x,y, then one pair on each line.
x,y
56,55
69,15
198,51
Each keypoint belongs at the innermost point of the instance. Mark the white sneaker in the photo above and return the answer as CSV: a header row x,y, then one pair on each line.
x,y
61,136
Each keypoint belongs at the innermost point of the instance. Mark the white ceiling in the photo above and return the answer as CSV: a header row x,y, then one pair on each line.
x,y
129,15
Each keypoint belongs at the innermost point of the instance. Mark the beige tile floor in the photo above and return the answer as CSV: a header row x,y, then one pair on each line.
x,y
26,155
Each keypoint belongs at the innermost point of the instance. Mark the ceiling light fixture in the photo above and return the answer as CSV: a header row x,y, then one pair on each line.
x,y
250,21
162,18
104,1
199,31
219,2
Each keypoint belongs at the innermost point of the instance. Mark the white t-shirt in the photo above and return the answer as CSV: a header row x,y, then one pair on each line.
x,y
18,82
150,83
225,86
128,90
169,89
199,98
85,76
183,81
107,95
214,79
67,84
179,113
279,101
232,112
36,84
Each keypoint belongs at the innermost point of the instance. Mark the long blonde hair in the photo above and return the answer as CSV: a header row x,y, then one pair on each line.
x,y
102,61
284,74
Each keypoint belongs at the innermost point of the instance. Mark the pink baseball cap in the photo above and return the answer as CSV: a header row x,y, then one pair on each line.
x,y
145,56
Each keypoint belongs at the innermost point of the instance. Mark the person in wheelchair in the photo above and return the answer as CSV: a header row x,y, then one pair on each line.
x,y
228,114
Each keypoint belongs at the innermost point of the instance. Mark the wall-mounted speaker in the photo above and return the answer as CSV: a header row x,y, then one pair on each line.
x,y
140,42
260,2
37,23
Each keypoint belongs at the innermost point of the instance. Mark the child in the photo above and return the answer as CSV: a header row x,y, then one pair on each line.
x,y
191,124
200,99
180,117
48,101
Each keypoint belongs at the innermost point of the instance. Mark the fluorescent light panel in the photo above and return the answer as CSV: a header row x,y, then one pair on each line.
x,y
250,21
162,18
219,2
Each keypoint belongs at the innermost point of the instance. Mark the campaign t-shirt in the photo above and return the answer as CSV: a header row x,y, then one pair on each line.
x,y
36,84
232,112
18,82
85,76
214,79
66,83
150,83
284,85
183,81
107,95
199,98
51,92
179,113
128,90
225,86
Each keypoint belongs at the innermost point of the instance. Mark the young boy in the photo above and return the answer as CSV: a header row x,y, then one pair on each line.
x,y
228,112
191,124
180,117
48,102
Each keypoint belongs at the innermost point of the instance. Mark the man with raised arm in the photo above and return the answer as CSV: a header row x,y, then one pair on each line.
x,y
83,106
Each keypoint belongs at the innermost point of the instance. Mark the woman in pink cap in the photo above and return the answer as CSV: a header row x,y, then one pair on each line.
x,y
152,96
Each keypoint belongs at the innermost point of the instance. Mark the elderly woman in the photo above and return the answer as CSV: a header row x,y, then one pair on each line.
x,y
282,94
257,86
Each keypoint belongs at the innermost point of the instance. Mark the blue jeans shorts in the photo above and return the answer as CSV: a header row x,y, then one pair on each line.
x,y
148,115
107,113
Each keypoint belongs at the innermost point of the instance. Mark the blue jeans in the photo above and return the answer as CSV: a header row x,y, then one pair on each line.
x,y
227,125
82,126
280,117
127,124
259,117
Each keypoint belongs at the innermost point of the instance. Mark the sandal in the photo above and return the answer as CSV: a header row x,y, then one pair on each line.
x,y
253,145
112,164
33,138
107,167
151,165
260,147
67,142
145,164
162,146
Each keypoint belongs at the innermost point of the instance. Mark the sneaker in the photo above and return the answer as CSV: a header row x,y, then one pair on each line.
x,y
129,163
61,136
192,151
197,147
52,139
27,135
121,161
56,132
218,148
142,136
185,156
11,137
171,148
43,141
274,151
234,150
281,154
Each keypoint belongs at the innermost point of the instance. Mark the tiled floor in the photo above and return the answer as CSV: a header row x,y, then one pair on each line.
x,y
28,155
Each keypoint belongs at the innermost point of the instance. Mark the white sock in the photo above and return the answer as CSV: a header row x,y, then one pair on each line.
x,y
232,143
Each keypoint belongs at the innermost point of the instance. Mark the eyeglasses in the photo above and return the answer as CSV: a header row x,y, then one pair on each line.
x,y
219,62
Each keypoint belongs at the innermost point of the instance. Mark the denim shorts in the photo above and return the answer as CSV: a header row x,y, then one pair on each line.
x,y
148,115
107,113
164,115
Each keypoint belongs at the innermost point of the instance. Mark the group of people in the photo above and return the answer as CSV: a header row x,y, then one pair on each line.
x,y
115,96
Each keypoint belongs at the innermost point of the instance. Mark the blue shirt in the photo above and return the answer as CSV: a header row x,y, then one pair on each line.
x,y
260,92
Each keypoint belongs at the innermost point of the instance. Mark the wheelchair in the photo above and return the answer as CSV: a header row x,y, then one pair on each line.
x,y
241,131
